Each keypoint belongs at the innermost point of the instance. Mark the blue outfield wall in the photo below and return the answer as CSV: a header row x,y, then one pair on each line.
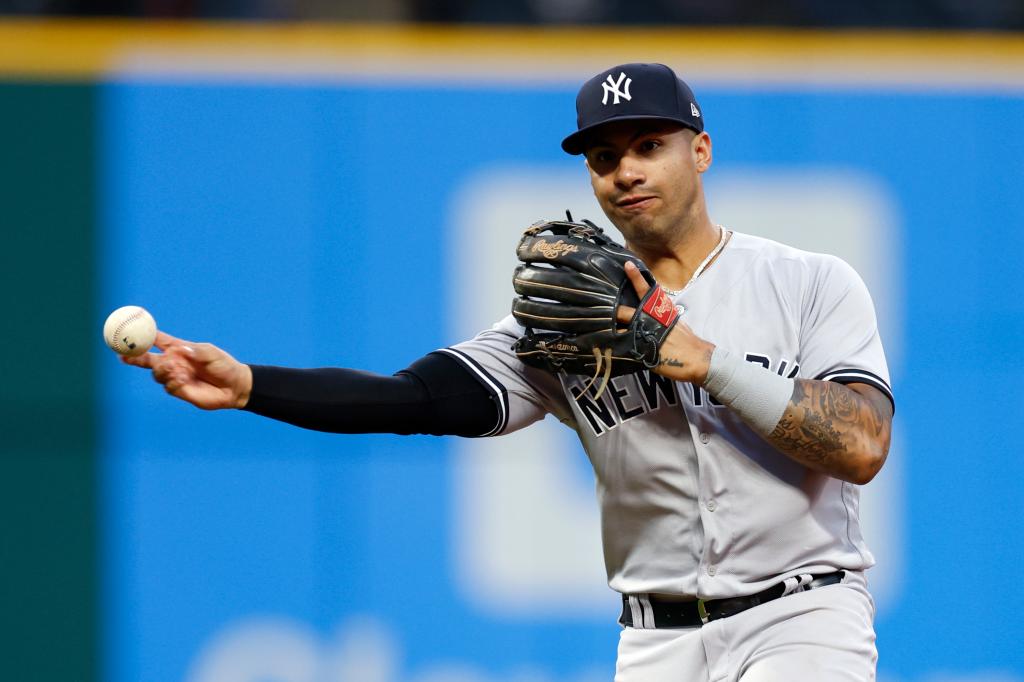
x,y
312,225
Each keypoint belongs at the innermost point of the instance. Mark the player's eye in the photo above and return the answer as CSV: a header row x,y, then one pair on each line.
x,y
601,157
649,145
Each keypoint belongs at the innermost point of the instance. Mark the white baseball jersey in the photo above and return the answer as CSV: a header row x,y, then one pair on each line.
x,y
693,502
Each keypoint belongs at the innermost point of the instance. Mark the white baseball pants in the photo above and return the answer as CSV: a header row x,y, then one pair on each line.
x,y
821,635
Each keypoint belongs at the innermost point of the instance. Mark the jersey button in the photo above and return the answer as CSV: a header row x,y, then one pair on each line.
x,y
704,438
712,570
712,505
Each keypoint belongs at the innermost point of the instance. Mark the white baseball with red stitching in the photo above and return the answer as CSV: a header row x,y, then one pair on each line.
x,y
130,330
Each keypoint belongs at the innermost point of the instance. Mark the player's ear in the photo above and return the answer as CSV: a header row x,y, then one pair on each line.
x,y
700,145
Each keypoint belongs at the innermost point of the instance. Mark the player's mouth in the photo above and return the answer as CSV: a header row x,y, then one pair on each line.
x,y
637,202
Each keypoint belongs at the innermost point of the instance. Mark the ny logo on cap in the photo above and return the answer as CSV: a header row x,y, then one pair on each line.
x,y
613,88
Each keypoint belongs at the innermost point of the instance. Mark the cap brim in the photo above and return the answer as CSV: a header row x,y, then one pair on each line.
x,y
576,143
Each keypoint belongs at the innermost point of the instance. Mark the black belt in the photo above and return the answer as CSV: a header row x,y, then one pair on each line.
x,y
684,614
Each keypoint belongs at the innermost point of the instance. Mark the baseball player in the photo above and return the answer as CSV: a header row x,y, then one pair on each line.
x,y
727,470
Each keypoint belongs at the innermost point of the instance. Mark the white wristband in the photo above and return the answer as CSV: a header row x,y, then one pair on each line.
x,y
758,396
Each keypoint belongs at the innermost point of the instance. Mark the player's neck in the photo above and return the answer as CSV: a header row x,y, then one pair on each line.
x,y
674,264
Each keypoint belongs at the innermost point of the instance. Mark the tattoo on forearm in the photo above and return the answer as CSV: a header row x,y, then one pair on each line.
x,y
814,436
671,362
825,422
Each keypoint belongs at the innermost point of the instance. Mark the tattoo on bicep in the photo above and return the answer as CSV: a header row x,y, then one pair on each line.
x,y
874,418
814,421
799,394
824,418
840,402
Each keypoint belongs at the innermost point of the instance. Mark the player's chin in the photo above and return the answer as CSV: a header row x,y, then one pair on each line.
x,y
636,225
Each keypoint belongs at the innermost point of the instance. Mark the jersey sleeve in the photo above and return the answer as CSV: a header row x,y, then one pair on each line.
x,y
839,338
523,394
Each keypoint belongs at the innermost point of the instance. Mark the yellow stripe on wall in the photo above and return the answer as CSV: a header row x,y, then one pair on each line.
x,y
90,49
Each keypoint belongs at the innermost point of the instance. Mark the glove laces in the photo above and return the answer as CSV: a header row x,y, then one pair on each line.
x,y
604,359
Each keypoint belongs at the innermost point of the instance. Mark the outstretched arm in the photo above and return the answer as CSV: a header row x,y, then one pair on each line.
x,y
435,395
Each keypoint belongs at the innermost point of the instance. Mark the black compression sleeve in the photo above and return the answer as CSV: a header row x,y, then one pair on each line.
x,y
436,395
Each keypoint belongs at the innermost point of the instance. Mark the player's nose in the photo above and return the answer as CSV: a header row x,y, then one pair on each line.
x,y
629,173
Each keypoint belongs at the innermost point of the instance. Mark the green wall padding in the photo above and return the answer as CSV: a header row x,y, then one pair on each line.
x,y
49,553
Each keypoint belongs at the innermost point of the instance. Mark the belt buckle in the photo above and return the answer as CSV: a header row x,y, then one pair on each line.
x,y
702,612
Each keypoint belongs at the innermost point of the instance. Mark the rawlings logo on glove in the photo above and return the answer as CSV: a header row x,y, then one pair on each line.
x,y
568,305
660,308
552,251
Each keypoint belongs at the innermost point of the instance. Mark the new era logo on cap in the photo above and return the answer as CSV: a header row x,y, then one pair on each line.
x,y
632,92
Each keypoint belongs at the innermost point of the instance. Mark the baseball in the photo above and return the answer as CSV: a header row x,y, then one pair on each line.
x,y
130,330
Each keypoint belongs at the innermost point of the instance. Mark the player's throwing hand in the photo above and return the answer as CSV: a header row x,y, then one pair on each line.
x,y
198,373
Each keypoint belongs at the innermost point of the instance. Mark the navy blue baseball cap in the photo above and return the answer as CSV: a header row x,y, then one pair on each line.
x,y
632,92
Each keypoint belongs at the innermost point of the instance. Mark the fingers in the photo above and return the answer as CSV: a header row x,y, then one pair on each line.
x,y
176,361
624,313
170,345
637,279
184,370
144,361
180,368
173,366
161,373
165,341
205,352
176,387
191,351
